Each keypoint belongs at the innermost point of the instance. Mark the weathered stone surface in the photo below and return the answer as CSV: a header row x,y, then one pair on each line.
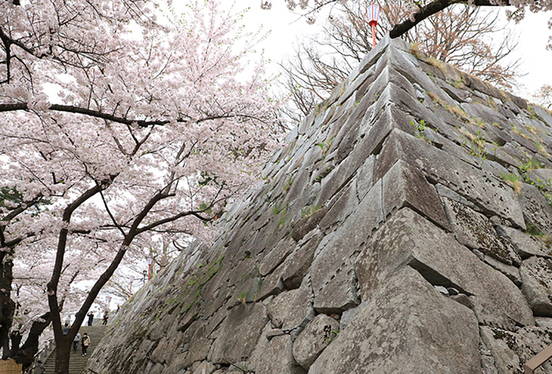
x,y
409,239
162,353
364,178
339,210
348,315
484,113
398,333
276,256
536,209
239,333
340,293
316,336
272,284
291,309
390,119
510,350
536,273
474,230
205,368
512,272
404,185
480,188
307,224
339,245
504,359
404,65
299,262
198,351
350,210
526,245
273,356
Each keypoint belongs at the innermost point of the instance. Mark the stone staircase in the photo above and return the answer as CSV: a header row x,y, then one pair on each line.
x,y
77,362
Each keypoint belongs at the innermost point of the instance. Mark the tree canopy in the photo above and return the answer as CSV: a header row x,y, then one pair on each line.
x,y
116,125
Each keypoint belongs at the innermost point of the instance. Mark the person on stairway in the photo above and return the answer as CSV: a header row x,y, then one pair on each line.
x,y
85,343
66,328
90,318
39,368
76,342
105,317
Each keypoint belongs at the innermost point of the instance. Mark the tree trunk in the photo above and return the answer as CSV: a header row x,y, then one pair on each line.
x,y
7,306
25,354
63,353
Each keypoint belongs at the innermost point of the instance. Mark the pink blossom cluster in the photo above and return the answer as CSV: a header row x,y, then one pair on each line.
x,y
118,124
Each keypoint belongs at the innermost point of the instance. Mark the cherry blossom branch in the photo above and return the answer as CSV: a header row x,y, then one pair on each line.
x,y
61,248
123,120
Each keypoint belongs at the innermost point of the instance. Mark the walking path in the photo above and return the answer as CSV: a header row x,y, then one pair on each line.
x,y
77,362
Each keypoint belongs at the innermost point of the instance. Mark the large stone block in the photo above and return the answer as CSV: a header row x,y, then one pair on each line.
x,y
239,333
407,327
404,185
536,275
299,262
409,239
308,223
316,336
340,293
536,209
338,246
276,256
344,205
476,231
398,61
291,309
481,188
526,245
511,349
273,355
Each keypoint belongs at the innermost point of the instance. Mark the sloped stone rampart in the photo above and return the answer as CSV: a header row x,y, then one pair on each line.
x,y
404,227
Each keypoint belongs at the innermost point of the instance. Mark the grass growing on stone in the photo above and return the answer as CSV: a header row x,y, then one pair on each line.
x,y
457,112
513,180
325,145
418,128
477,143
310,210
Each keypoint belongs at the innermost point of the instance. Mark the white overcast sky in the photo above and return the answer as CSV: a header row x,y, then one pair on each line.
x,y
286,27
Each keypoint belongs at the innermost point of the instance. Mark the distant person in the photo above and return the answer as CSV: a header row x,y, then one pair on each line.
x,y
90,318
76,342
118,307
66,329
85,343
105,317
39,368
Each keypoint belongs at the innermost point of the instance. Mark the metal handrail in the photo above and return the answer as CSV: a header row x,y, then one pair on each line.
x,y
531,365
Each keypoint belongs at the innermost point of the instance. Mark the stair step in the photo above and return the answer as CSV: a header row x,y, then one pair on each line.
x,y
77,362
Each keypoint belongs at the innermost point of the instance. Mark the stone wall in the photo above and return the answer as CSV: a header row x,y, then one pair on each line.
x,y
405,228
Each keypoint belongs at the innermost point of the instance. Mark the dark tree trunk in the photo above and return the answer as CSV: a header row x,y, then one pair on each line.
x,y
25,354
432,8
63,352
7,306
15,338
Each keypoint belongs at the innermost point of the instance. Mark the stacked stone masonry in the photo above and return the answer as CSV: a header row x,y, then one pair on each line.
x,y
404,228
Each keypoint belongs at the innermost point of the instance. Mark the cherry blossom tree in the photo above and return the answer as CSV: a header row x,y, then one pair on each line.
x,y
116,127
